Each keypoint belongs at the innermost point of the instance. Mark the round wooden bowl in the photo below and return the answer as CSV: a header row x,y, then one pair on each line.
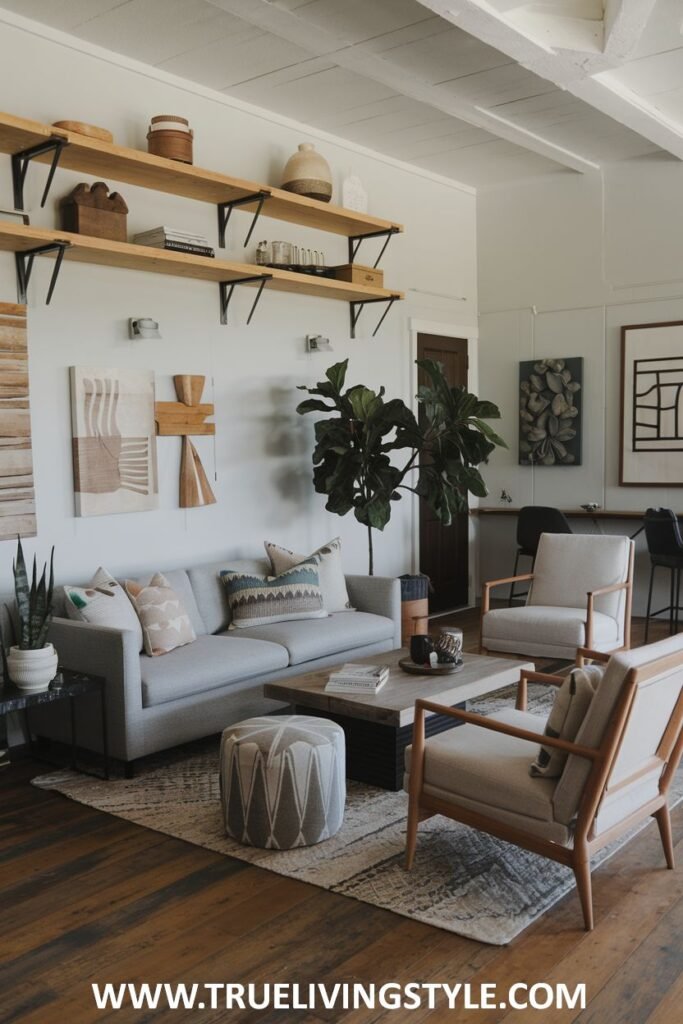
x,y
81,128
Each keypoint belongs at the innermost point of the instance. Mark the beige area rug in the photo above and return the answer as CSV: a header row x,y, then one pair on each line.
x,y
463,881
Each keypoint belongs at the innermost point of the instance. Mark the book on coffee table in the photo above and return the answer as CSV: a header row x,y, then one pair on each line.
x,y
357,678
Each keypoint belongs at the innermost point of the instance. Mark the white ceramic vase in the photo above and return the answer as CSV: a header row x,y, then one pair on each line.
x,y
32,671
307,173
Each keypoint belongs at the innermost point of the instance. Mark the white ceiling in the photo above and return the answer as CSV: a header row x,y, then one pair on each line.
x,y
483,91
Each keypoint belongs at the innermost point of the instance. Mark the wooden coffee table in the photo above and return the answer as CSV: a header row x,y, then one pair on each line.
x,y
379,728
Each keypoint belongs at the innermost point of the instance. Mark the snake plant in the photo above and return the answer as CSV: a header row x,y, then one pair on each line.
x,y
34,601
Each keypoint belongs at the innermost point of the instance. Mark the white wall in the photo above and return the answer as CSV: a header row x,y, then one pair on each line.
x,y
262,448
564,262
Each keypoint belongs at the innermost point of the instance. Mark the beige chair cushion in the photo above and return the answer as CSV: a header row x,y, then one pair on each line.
x,y
553,631
489,767
550,830
573,780
568,565
571,703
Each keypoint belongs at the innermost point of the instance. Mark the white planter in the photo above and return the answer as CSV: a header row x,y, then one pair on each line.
x,y
32,671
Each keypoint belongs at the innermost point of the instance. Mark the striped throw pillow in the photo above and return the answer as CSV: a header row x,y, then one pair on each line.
x,y
256,600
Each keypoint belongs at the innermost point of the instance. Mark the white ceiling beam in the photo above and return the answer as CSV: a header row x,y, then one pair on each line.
x,y
583,74
625,22
355,57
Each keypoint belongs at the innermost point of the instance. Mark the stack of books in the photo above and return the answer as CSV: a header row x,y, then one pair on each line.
x,y
175,240
355,678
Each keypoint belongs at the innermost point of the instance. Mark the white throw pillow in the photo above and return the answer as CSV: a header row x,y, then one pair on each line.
x,y
571,703
103,602
330,571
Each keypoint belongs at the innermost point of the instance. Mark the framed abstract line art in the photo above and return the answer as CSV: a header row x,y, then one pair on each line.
x,y
114,441
652,405
550,412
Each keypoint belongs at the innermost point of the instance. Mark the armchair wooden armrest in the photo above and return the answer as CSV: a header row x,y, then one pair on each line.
x,y
528,676
598,592
585,654
488,587
487,723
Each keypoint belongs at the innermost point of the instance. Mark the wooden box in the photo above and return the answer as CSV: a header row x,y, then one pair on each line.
x,y
95,211
356,273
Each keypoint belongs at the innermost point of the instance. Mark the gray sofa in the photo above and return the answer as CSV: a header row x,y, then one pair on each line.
x,y
194,691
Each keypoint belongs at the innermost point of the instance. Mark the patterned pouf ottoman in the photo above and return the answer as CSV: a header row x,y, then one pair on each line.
x,y
283,780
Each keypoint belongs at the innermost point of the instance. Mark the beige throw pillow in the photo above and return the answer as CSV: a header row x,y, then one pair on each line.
x,y
165,623
103,602
572,701
330,571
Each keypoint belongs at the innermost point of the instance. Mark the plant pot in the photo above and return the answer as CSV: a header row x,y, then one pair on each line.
x,y
32,671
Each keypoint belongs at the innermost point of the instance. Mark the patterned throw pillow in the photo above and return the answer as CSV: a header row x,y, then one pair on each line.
x,y
103,602
330,571
165,623
256,600
571,703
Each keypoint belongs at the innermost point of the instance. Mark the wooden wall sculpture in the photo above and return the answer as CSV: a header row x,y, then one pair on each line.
x,y
17,496
181,419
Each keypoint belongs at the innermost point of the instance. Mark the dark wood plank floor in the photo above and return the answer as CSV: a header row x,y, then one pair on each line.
x,y
86,897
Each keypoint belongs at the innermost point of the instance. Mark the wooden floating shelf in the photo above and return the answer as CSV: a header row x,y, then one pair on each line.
x,y
109,161
16,237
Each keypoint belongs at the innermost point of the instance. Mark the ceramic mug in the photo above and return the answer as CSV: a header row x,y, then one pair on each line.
x,y
421,646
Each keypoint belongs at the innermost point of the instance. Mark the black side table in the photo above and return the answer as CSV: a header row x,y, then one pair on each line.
x,y
66,685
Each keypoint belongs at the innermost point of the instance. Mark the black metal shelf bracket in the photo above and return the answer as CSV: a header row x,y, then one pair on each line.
x,y
355,241
227,288
20,162
356,308
225,209
24,264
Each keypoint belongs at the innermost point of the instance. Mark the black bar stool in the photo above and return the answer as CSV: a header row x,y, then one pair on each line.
x,y
665,546
533,520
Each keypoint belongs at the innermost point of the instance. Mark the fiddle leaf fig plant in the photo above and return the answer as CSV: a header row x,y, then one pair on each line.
x,y
367,447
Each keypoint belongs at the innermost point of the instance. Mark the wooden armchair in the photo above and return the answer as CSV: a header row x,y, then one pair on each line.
x,y
580,596
617,774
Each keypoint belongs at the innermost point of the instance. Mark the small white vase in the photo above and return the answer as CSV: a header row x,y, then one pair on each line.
x,y
32,671
307,173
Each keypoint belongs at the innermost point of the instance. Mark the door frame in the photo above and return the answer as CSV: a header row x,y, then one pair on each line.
x,y
471,334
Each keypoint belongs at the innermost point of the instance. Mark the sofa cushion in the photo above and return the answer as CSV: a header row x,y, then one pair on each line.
x,y
103,602
210,662
164,620
490,767
209,592
179,581
551,626
257,600
307,640
330,571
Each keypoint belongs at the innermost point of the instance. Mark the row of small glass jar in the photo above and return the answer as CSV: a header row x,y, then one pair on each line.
x,y
284,254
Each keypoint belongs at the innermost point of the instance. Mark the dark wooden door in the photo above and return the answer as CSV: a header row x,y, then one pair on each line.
x,y
444,549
